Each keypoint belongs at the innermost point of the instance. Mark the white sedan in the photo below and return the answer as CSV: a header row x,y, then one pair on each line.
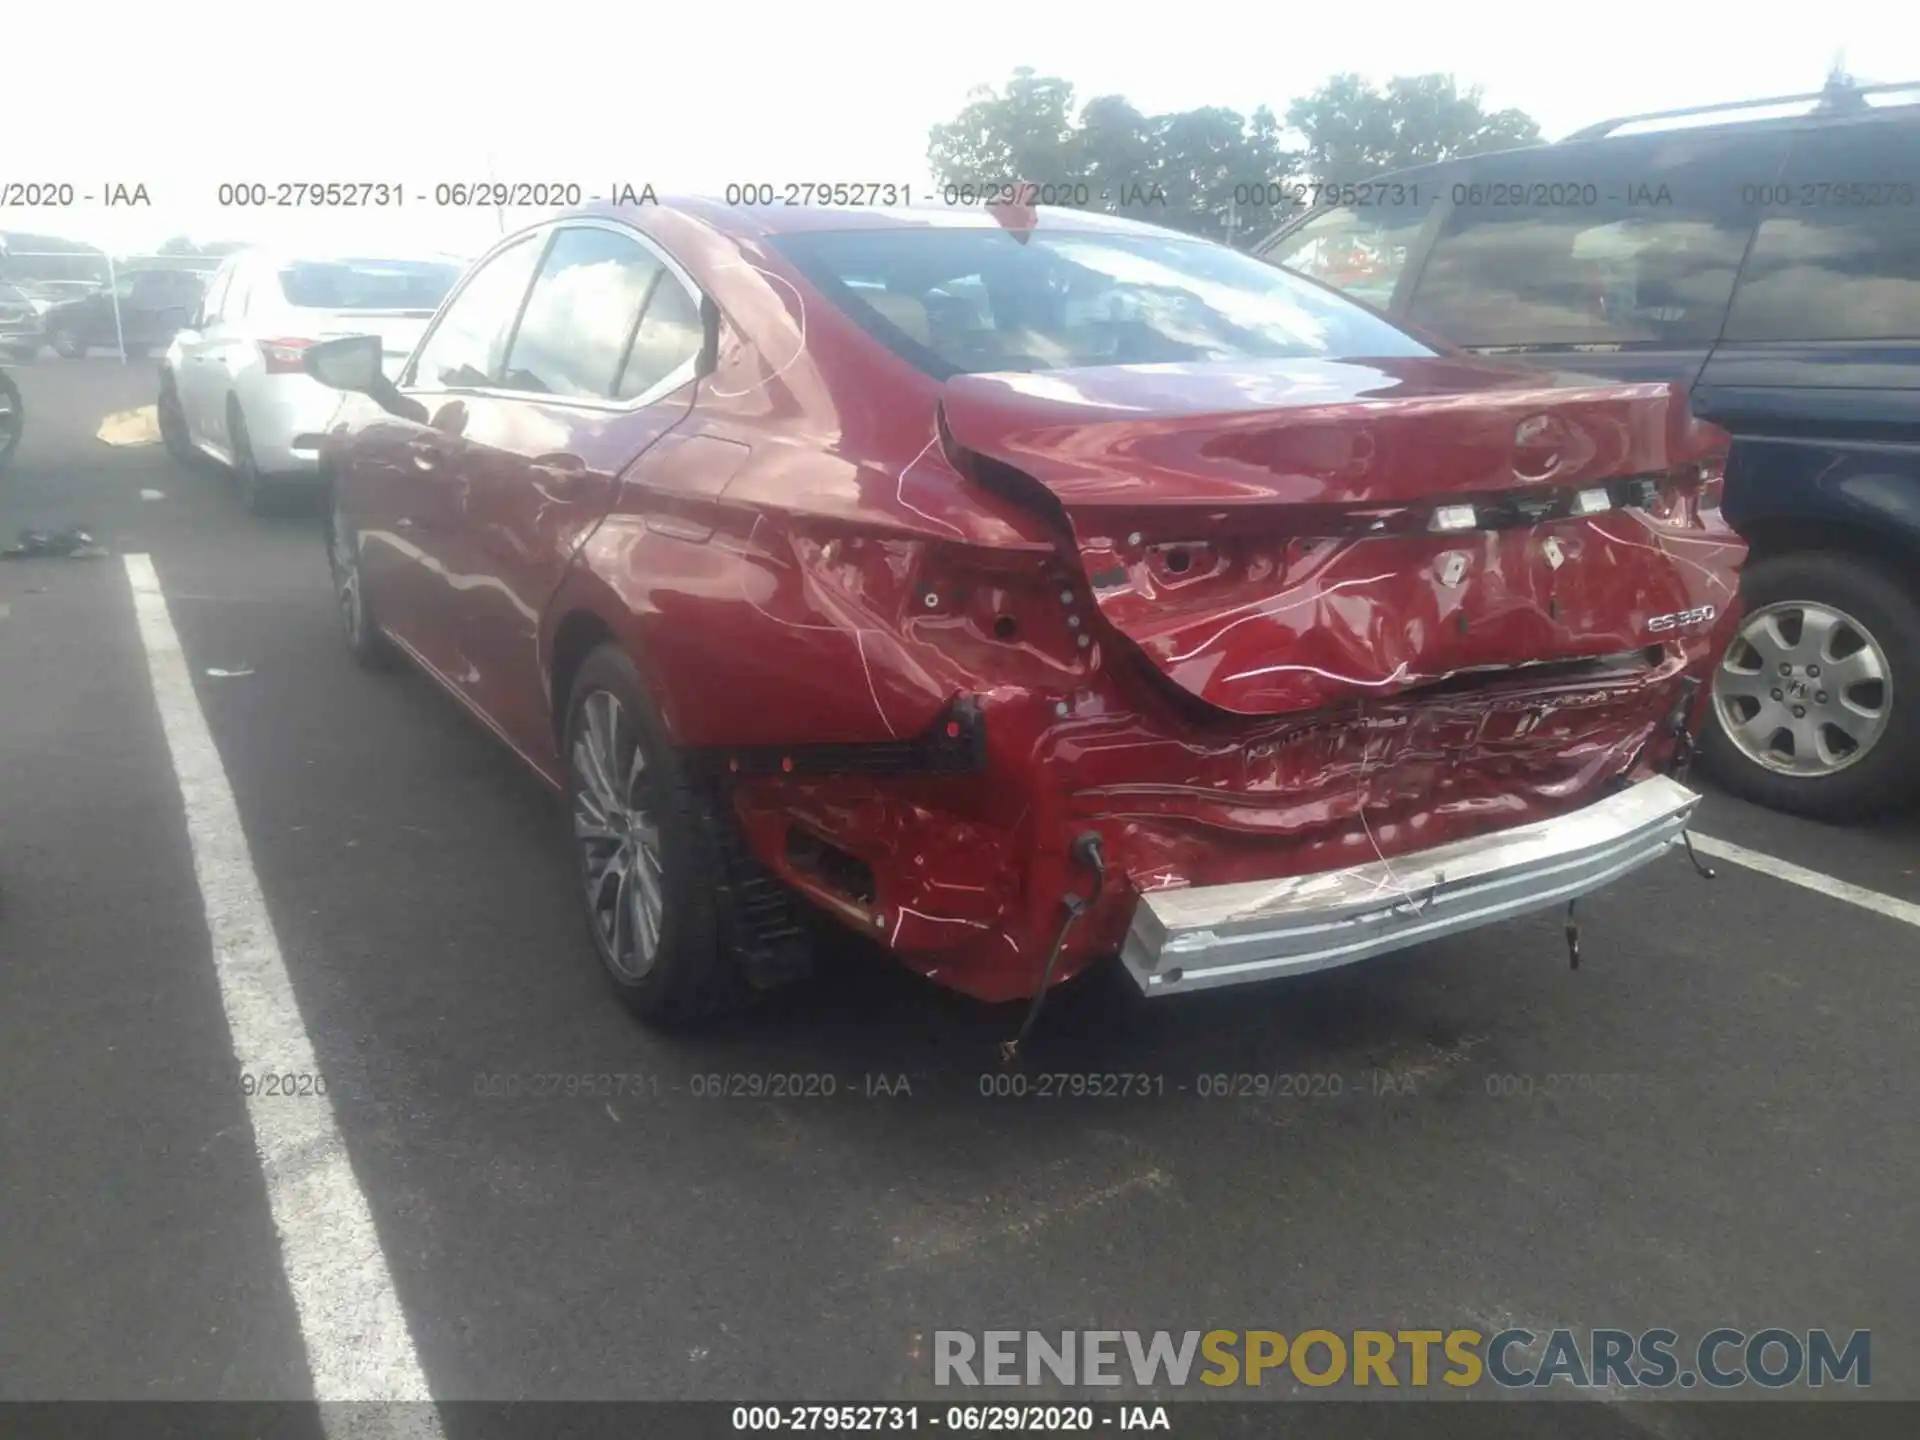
x,y
232,386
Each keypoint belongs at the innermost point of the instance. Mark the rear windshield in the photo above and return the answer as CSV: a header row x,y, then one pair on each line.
x,y
367,284
958,301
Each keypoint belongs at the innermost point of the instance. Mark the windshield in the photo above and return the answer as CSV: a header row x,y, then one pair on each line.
x,y
367,284
956,300
1361,250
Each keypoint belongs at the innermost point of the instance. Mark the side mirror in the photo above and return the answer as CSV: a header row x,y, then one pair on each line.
x,y
352,363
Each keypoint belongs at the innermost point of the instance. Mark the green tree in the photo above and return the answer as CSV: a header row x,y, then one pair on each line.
x,y
1180,169
1355,131
1021,133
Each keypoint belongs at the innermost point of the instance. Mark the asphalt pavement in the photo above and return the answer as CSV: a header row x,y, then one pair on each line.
x,y
1741,1152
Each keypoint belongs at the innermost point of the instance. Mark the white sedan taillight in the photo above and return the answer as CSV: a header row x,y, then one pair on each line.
x,y
284,356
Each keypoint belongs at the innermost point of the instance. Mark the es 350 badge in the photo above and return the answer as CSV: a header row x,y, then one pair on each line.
x,y
1681,619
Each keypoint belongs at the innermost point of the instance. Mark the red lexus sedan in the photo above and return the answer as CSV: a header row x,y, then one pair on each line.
x,y
1021,588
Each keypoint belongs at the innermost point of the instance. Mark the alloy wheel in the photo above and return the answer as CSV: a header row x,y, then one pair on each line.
x,y
618,836
1804,689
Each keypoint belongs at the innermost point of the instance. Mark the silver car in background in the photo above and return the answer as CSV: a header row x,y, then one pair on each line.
x,y
231,385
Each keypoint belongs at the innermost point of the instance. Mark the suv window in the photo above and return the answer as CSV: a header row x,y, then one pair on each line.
x,y
469,343
955,300
1360,249
581,314
1837,256
1609,243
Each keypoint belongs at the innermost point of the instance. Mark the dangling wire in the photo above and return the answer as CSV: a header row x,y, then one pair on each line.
x,y
1401,888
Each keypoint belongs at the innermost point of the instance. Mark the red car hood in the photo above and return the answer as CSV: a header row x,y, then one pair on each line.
x,y
1264,530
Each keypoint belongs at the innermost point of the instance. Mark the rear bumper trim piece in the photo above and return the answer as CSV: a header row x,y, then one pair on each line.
x,y
1201,938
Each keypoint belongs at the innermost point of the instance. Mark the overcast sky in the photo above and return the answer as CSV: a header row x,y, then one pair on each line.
x,y
695,96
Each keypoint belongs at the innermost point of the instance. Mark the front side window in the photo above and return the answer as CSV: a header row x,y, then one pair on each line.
x,y
469,344
581,314
1596,246
957,300
1837,256
1361,250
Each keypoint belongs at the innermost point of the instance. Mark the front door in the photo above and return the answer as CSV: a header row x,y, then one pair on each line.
x,y
411,476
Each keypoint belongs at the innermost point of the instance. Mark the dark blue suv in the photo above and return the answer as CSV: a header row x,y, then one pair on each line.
x,y
1767,254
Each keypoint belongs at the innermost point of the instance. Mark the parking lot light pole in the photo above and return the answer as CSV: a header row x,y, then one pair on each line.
x,y
113,295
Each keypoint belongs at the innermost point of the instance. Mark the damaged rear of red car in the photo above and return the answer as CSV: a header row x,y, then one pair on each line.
x,y
1026,596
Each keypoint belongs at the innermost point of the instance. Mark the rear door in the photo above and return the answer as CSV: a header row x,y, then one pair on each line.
x,y
1614,258
598,370
1822,344
202,376
189,375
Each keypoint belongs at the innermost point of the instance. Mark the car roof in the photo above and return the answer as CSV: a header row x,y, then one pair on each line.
x,y
756,222
1596,141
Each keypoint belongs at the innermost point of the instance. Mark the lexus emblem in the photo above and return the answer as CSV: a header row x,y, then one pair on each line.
x,y
1536,448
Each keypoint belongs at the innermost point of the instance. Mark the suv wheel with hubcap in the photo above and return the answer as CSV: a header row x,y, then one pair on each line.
x,y
1813,708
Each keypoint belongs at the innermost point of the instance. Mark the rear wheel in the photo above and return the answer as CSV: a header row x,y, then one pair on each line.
x,y
646,852
255,493
67,344
1816,702
173,422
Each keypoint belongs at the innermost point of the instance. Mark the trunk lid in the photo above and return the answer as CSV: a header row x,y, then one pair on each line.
x,y
1264,531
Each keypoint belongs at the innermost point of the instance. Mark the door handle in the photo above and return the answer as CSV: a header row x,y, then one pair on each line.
x,y
426,457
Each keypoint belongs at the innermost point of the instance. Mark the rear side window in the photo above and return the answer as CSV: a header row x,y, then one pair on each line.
x,y
217,294
581,314
668,339
1837,256
403,285
977,298
1605,244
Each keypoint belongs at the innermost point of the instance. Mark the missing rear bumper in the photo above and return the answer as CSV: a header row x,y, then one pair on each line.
x,y
1201,938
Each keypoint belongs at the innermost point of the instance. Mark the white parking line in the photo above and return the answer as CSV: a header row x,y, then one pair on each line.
x,y
1892,908
358,1345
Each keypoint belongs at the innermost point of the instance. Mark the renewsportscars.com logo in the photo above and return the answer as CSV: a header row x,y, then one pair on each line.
x,y
1512,1359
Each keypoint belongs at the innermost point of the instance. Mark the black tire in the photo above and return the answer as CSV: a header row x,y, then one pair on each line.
x,y
695,971
256,493
1886,774
68,345
13,418
173,423
366,642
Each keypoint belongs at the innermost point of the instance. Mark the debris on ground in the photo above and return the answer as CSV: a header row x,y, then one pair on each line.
x,y
139,426
72,543
228,674
153,494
